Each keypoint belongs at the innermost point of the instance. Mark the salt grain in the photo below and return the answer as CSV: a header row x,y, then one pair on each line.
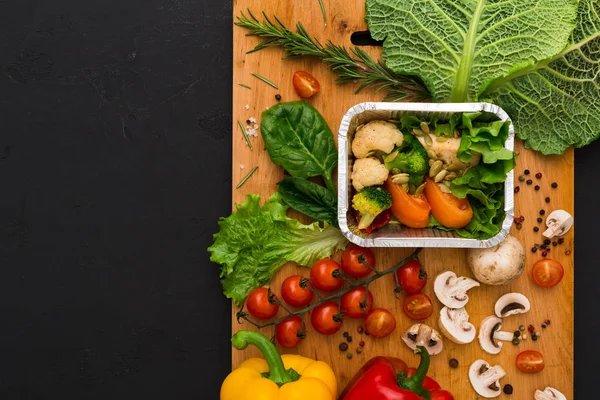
x,y
252,119
247,107
242,166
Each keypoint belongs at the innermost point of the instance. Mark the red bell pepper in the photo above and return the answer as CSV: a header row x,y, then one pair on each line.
x,y
389,378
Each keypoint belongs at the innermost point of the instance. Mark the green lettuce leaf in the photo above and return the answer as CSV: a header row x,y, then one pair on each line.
x,y
254,242
458,47
556,103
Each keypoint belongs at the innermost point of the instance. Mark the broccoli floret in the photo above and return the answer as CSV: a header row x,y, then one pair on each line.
x,y
412,159
370,202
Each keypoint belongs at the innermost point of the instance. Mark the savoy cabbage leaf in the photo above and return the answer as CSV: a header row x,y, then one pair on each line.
x,y
458,47
556,103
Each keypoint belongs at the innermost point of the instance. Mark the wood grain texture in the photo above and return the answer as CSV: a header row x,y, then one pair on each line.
x,y
556,304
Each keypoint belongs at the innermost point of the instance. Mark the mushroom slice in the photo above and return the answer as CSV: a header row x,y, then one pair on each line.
x,y
558,222
423,335
486,379
490,332
549,394
512,303
451,290
454,324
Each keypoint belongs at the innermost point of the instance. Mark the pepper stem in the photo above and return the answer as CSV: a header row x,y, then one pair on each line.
x,y
415,382
277,372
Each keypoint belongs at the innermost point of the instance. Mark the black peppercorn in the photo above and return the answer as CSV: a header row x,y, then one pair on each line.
x,y
517,333
529,181
561,240
547,199
526,172
516,341
533,249
349,339
546,242
554,244
508,389
534,338
554,185
540,220
453,363
542,212
277,97
345,334
544,326
343,346
536,229
537,187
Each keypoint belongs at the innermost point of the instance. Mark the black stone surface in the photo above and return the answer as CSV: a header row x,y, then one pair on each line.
x,y
115,157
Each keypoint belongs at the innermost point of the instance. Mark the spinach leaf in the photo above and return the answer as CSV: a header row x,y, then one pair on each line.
x,y
309,198
298,139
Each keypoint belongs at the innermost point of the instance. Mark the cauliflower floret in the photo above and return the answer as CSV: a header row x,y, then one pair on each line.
x,y
368,172
376,135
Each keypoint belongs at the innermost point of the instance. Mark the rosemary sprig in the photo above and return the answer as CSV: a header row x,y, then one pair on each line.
x,y
244,86
245,178
323,12
265,80
355,66
245,134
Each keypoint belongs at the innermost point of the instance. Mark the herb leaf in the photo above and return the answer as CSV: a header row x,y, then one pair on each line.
x,y
298,139
255,241
310,199
459,47
556,103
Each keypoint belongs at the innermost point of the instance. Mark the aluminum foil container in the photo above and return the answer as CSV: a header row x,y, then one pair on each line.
x,y
396,235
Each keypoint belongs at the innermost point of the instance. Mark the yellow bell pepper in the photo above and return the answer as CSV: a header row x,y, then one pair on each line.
x,y
277,377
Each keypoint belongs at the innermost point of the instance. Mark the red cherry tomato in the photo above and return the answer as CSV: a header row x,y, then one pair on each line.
x,y
289,332
412,277
530,361
305,84
323,318
294,294
351,303
351,258
418,306
258,304
547,272
380,323
321,275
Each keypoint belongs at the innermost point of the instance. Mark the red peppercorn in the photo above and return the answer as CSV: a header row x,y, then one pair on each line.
x,y
361,343
538,175
360,329
531,328
547,322
517,189
544,253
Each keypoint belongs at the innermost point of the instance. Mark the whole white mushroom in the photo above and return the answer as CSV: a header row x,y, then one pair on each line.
x,y
499,264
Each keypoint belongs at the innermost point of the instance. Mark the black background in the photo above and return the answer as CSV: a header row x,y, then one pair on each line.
x,y
115,160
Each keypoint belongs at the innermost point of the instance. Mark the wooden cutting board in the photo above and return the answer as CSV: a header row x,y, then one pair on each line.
x,y
556,304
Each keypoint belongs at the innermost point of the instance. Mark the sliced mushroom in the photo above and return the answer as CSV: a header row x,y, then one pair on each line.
x,y
549,394
558,222
423,335
486,379
512,303
451,290
490,332
454,324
